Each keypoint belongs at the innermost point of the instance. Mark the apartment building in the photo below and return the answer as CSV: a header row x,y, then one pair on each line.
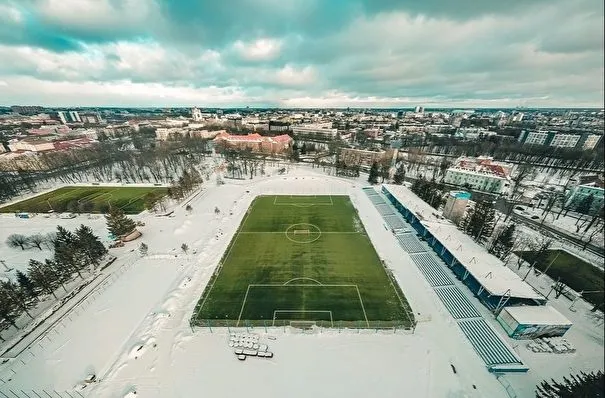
x,y
560,139
255,142
316,131
480,174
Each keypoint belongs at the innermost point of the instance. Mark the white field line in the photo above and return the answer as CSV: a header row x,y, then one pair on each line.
x,y
242,309
299,285
362,307
89,199
92,195
225,260
301,204
322,232
50,199
135,199
302,311
69,191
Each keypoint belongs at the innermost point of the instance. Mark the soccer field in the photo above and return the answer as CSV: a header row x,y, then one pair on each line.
x,y
86,199
302,258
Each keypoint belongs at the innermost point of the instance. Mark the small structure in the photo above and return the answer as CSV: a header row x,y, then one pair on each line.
x,y
455,205
531,322
131,236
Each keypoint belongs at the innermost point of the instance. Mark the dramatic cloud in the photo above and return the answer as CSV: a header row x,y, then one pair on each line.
x,y
386,53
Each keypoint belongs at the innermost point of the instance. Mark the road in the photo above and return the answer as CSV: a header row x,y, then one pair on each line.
x,y
503,205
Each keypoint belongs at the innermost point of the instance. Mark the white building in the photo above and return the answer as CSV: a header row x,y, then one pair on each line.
x,y
591,141
534,137
69,117
321,131
163,134
580,192
480,174
565,140
31,145
517,117
196,114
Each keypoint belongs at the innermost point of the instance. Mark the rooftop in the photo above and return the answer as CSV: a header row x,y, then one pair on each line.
x,y
495,277
538,315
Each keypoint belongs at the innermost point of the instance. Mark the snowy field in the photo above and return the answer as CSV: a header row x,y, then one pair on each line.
x,y
134,333
40,224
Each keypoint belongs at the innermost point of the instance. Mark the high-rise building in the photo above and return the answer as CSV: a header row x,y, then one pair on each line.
x,y
559,139
419,109
75,116
27,110
69,117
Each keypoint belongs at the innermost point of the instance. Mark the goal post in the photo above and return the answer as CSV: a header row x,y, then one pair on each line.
x,y
298,318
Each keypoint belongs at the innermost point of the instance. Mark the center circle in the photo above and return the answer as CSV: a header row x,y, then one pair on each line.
x,y
303,233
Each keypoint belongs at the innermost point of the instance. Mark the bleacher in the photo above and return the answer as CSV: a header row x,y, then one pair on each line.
x,y
456,302
433,272
495,352
410,243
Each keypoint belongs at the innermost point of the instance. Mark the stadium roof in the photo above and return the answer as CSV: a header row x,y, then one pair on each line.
x,y
487,269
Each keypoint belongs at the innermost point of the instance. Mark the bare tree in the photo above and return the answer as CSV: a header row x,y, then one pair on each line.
x,y
184,248
49,240
17,240
523,172
37,240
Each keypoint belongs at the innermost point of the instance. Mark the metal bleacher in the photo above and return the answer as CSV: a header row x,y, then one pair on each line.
x,y
456,302
410,243
385,209
486,342
495,352
395,223
433,272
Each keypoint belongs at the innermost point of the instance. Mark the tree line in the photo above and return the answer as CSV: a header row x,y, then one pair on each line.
x,y
72,252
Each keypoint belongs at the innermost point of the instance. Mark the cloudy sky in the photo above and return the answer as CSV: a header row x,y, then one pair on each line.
x,y
302,53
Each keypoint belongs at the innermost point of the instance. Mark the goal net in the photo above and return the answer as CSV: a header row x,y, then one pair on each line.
x,y
304,325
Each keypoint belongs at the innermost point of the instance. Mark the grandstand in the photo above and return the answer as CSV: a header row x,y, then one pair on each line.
x,y
494,284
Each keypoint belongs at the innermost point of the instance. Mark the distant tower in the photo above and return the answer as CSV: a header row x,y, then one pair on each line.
x,y
419,109
196,114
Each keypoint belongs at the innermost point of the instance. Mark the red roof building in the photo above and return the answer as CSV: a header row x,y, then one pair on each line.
x,y
254,142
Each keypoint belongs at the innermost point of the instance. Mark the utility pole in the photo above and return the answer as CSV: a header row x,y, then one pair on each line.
x,y
553,260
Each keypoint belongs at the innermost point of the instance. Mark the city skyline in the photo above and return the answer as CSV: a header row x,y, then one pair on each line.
x,y
302,54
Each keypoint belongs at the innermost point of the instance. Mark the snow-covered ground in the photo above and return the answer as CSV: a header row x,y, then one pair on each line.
x,y
42,224
566,224
134,333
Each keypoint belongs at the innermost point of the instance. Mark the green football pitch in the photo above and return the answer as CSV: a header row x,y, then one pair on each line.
x,y
86,199
302,258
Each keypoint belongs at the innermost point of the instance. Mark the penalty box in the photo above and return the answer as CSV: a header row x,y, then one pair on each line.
x,y
303,200
302,302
